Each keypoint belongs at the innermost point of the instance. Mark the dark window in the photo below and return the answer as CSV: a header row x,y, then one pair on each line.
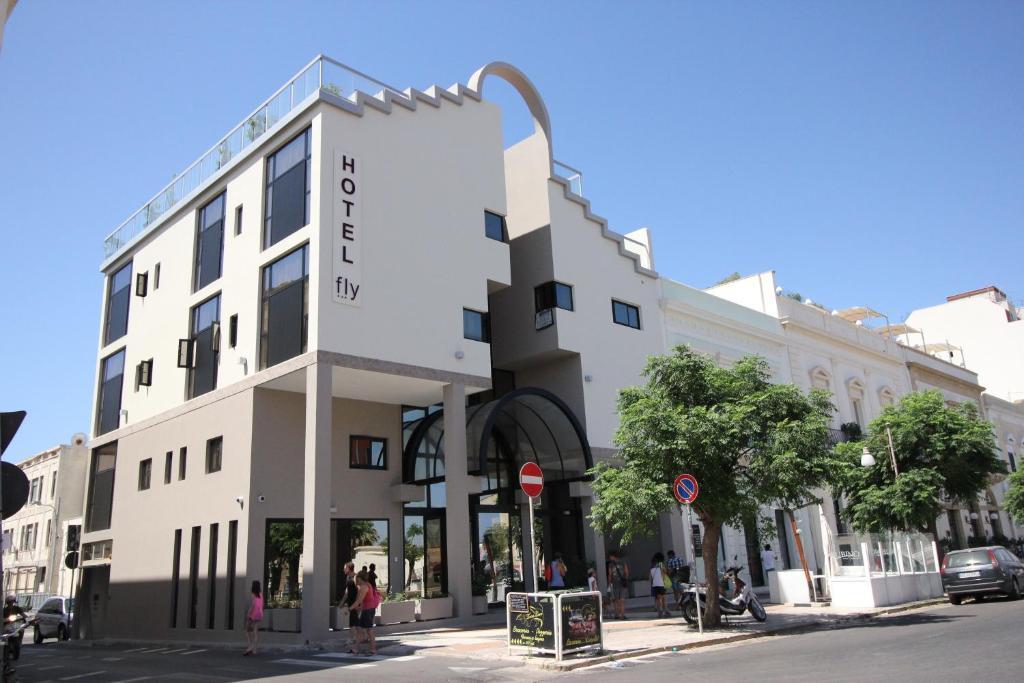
x,y
145,473
168,466
233,331
476,325
287,201
368,452
238,219
1013,463
553,295
285,308
211,579
202,376
119,290
209,243
229,617
144,374
111,383
494,227
182,458
214,451
53,485
175,576
101,488
193,579
141,284
156,277
626,314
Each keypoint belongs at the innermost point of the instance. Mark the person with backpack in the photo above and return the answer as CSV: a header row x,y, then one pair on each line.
x,y
618,583
367,601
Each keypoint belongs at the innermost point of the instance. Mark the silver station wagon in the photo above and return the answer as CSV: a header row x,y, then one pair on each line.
x,y
982,571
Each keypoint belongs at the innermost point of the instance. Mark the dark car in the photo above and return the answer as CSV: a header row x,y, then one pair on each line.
x,y
982,571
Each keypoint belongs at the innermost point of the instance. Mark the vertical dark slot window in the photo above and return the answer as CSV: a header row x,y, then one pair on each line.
x,y
211,573
168,466
111,384
119,291
552,295
626,314
193,579
214,453
233,331
202,376
101,488
238,219
229,612
209,243
144,374
53,485
494,227
285,308
368,452
1013,462
476,325
145,473
156,277
142,284
287,201
175,577
182,457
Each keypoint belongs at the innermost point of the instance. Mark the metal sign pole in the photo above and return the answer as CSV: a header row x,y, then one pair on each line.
x,y
696,588
533,548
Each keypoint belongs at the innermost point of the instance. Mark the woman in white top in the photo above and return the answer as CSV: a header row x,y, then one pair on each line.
x,y
658,584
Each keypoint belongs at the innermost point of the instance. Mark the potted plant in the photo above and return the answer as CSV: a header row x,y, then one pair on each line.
x,y
284,615
435,606
396,608
480,585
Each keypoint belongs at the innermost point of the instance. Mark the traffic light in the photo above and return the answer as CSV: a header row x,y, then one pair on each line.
x,y
74,533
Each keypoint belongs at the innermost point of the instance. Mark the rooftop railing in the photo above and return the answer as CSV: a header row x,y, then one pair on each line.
x,y
322,74
573,175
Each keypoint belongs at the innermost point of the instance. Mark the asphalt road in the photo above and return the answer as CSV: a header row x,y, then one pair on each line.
x,y
975,641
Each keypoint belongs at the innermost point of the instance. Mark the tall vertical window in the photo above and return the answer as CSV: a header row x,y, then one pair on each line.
x,y
53,485
209,243
1013,462
168,466
287,202
175,577
119,293
145,473
229,616
211,578
238,219
111,382
214,453
476,325
182,459
193,578
101,488
285,308
202,376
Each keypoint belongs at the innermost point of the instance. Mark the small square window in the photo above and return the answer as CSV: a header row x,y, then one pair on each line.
x,y
626,314
553,295
368,452
476,326
214,452
494,227
145,473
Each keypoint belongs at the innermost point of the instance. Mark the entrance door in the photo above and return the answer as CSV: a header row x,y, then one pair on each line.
x,y
498,535
95,589
426,571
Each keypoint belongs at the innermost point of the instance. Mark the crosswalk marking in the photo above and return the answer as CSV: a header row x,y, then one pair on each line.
x,y
133,680
306,662
85,675
46,668
171,652
112,659
138,649
406,658
152,650
193,652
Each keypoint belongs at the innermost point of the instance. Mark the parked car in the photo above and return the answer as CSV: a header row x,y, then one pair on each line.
x,y
53,619
981,571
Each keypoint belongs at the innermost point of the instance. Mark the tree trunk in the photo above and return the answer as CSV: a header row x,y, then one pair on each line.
x,y
709,546
800,552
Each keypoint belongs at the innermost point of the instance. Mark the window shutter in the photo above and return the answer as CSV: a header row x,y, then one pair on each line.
x,y
144,373
186,353
141,284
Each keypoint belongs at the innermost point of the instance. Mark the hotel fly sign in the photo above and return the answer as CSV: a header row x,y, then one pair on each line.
x,y
348,228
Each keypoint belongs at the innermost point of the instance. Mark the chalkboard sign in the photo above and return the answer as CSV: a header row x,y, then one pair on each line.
x,y
581,621
534,626
516,602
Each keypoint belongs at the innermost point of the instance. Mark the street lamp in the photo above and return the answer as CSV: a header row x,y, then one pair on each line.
x,y
868,460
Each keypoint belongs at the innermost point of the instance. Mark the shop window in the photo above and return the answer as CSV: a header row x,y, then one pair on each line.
x,y
118,296
368,452
626,314
363,542
214,452
145,473
287,200
209,243
285,308
101,488
476,325
494,226
111,384
553,295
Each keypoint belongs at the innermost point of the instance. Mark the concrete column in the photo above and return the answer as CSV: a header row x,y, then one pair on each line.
x,y
457,493
593,544
316,503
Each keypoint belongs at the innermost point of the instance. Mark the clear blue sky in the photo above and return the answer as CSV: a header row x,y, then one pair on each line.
x,y
871,153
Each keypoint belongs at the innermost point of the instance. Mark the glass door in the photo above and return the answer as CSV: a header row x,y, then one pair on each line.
x,y
426,572
499,551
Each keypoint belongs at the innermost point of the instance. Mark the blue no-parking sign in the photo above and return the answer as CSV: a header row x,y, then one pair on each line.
x,y
685,488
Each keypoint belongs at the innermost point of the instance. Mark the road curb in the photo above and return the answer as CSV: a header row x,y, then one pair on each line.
x,y
736,638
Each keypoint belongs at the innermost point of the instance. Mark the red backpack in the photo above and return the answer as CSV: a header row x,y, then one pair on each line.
x,y
372,599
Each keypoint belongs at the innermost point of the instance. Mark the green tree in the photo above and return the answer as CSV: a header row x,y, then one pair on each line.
x,y
1013,501
940,450
363,532
413,550
284,548
747,441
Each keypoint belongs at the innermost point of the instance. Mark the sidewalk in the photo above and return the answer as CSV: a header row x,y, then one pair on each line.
x,y
484,637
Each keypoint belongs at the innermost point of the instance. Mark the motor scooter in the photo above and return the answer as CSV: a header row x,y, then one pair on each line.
x,y
743,600
13,630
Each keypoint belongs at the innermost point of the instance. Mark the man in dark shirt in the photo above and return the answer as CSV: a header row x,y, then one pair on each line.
x,y
348,600
11,608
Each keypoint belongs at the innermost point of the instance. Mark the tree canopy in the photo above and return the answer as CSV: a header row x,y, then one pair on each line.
x,y
1013,501
940,450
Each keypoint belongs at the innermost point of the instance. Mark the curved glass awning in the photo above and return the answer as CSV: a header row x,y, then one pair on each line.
x,y
524,425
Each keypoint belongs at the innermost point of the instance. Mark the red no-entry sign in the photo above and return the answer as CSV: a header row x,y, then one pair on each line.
x,y
531,479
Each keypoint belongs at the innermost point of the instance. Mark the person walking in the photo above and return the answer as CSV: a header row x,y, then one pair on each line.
x,y
767,562
618,583
367,600
349,599
253,617
557,572
679,573
592,580
658,575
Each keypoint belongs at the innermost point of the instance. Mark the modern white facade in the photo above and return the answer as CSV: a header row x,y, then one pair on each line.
x,y
35,538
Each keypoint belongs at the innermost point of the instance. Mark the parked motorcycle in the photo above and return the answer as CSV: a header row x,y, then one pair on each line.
x,y
743,600
13,630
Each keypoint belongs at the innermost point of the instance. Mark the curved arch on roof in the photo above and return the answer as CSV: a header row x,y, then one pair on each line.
x,y
524,86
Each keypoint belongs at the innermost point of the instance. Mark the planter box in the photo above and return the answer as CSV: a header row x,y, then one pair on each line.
x,y
641,589
339,618
396,612
479,604
434,608
280,619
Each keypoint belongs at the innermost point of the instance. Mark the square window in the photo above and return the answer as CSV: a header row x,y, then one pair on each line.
x,y
214,452
368,452
145,473
476,326
626,314
553,295
494,227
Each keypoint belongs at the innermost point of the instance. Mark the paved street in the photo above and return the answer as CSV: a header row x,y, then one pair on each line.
x,y
936,644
